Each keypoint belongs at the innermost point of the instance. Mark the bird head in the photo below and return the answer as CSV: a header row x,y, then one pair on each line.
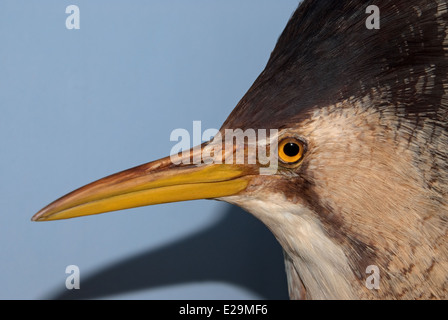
x,y
356,173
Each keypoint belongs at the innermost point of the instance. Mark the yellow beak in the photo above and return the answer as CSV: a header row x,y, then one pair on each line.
x,y
153,183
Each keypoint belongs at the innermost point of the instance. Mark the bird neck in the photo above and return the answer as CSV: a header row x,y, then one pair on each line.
x,y
322,266
316,266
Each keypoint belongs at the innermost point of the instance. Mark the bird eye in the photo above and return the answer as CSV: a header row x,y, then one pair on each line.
x,y
290,150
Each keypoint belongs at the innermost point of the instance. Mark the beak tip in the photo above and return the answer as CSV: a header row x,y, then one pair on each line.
x,y
39,216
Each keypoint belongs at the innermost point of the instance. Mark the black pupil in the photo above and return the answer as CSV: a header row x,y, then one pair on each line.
x,y
291,149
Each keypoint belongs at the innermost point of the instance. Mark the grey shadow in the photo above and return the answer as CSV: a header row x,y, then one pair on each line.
x,y
238,249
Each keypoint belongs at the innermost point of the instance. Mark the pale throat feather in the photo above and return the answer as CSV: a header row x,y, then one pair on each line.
x,y
322,268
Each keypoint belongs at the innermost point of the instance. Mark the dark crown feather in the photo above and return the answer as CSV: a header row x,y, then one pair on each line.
x,y
326,54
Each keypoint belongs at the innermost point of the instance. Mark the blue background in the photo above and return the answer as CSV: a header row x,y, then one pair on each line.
x,y
77,105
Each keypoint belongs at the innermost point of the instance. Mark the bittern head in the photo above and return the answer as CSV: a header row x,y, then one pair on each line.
x,y
359,138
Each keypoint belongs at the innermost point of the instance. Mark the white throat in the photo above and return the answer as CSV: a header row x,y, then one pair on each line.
x,y
320,263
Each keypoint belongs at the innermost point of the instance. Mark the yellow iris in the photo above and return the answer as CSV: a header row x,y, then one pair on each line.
x,y
291,150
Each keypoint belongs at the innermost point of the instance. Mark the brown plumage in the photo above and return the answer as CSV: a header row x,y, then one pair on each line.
x,y
372,105
371,189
